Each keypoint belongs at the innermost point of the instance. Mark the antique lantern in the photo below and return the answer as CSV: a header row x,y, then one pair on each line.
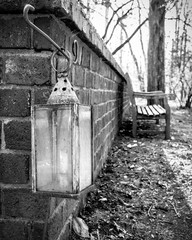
x,y
62,148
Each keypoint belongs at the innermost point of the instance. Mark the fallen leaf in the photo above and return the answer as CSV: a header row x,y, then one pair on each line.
x,y
80,227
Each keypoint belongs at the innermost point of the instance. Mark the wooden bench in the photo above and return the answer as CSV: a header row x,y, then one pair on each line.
x,y
156,111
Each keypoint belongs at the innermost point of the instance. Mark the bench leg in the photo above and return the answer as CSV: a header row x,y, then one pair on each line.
x,y
157,121
167,127
134,129
134,125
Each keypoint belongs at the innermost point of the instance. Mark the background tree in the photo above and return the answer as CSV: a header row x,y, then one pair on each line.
x,y
117,19
181,55
156,66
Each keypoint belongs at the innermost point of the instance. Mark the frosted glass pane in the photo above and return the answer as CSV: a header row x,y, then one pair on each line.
x,y
43,141
85,146
53,150
63,150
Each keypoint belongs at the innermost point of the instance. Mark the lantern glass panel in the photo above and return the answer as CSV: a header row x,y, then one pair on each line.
x,y
85,133
63,150
53,137
43,142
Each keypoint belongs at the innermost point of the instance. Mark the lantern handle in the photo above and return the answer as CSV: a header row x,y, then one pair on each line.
x,y
70,62
26,17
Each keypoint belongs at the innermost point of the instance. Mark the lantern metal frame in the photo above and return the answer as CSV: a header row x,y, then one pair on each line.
x,y
75,165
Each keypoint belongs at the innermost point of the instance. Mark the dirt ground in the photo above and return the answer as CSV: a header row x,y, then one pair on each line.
x,y
144,190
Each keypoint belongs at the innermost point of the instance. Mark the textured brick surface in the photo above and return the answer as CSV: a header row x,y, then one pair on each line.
x,y
13,230
78,76
18,135
37,231
0,203
90,79
0,131
14,168
86,56
83,96
18,5
42,95
14,102
1,69
14,32
95,63
26,77
55,224
26,68
24,204
53,28
66,231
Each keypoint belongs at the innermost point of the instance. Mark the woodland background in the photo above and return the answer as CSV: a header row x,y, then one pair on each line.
x,y
151,40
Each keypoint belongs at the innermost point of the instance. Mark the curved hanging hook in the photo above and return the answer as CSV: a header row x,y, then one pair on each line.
x,y
70,62
26,17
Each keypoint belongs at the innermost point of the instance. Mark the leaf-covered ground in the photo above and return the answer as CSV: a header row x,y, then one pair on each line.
x,y
144,190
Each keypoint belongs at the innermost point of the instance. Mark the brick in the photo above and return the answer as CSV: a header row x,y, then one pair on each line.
x,y
18,135
14,102
27,68
97,82
70,207
14,168
37,231
53,28
83,96
42,95
13,230
14,32
85,58
0,131
0,203
95,63
1,69
22,203
90,79
17,5
78,76
66,232
55,224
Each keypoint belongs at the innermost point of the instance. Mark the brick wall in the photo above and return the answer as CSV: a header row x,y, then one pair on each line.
x,y
26,78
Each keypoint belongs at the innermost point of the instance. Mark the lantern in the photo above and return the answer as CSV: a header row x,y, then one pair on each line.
x,y
62,151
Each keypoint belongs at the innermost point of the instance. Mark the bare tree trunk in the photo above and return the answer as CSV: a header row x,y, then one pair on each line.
x,y
156,65
140,31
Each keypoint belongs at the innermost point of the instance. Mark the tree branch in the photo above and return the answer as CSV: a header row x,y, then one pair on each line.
x,y
118,21
107,27
123,44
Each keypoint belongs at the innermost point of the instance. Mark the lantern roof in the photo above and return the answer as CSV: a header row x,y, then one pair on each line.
x,y
63,92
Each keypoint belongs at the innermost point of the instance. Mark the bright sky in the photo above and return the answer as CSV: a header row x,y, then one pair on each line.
x,y
124,57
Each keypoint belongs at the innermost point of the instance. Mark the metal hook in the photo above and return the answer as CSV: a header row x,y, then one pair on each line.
x,y
70,62
26,17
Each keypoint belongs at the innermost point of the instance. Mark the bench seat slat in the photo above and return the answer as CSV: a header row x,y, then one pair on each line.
x,y
139,110
149,112
160,109
144,112
154,111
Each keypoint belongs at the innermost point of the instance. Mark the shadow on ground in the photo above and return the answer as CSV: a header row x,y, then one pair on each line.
x,y
144,190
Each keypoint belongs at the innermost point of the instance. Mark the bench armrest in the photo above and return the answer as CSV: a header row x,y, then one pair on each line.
x,y
150,95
